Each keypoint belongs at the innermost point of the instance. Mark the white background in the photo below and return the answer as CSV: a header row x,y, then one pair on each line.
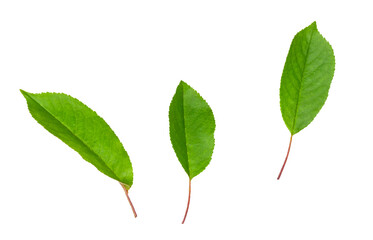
x,y
124,59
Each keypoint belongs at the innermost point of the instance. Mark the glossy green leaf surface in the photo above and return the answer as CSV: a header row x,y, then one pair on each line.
x,y
306,78
84,131
192,127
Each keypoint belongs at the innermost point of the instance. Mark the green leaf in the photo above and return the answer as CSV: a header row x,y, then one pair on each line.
x,y
192,127
84,131
305,81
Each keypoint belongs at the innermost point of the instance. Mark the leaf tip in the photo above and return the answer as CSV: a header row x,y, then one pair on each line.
x,y
313,25
184,84
24,93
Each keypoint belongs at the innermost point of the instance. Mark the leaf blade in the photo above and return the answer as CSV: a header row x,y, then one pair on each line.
x,y
84,131
306,78
192,127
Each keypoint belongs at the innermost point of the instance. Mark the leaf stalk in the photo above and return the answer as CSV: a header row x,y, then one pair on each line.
x,y
286,158
186,212
129,200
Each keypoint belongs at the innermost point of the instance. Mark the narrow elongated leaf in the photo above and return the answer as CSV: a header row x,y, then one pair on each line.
x,y
306,79
192,127
84,131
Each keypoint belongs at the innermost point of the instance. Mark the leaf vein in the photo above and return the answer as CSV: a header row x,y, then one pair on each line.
x,y
77,137
302,78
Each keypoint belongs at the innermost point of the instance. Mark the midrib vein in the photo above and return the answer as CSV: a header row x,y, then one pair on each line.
x,y
185,134
300,87
80,140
